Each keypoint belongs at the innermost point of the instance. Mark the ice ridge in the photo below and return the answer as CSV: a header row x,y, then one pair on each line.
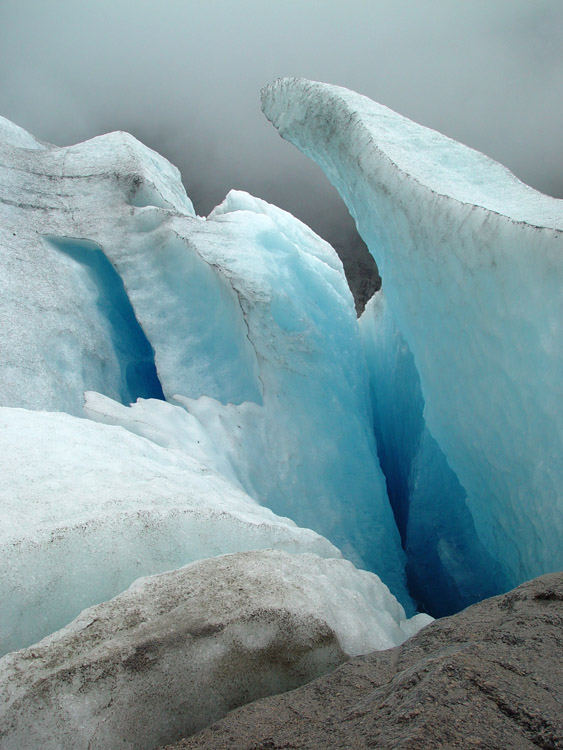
x,y
471,265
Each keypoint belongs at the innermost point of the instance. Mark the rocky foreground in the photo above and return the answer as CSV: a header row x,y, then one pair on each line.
x,y
488,677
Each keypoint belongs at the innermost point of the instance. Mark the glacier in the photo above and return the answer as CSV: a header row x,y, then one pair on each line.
x,y
65,324
176,387
448,567
88,508
220,358
471,264
193,399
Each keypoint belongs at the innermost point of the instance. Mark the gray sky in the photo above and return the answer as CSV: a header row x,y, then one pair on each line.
x,y
184,77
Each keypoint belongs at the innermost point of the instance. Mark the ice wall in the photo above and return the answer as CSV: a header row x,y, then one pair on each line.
x,y
471,265
244,320
66,326
447,566
266,357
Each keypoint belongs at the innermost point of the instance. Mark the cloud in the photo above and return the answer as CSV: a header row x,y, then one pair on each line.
x,y
184,77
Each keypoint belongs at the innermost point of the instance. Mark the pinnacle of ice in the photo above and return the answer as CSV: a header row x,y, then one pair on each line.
x,y
471,265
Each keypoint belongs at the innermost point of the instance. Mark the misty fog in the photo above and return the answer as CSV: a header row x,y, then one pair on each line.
x,y
184,77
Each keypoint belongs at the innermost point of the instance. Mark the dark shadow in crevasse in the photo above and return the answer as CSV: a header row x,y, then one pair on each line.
x,y
139,378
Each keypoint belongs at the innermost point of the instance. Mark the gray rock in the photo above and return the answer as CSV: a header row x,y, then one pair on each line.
x,y
360,268
488,677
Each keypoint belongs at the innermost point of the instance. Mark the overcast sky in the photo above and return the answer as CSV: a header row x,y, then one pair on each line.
x,y
184,77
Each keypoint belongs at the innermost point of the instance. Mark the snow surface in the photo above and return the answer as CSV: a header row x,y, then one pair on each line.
x,y
471,265
177,651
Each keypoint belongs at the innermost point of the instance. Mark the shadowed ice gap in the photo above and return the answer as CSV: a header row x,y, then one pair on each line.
x,y
139,378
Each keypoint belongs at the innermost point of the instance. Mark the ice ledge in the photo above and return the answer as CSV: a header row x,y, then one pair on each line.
x,y
377,137
471,262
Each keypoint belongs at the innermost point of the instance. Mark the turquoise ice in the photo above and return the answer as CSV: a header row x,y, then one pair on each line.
x,y
471,265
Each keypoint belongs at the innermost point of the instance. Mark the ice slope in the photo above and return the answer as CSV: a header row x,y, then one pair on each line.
x,y
177,651
471,263
256,450
110,283
447,566
87,508
12,135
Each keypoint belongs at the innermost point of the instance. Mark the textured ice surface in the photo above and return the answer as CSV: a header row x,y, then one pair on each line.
x,y
12,135
255,335
59,315
179,650
87,508
110,283
303,445
447,565
471,265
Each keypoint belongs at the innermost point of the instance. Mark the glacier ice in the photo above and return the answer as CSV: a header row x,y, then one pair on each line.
x,y
471,265
12,135
235,441
243,321
57,207
243,318
174,387
308,451
447,566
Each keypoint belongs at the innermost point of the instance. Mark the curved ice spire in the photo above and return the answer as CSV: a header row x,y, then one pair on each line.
x,y
472,271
